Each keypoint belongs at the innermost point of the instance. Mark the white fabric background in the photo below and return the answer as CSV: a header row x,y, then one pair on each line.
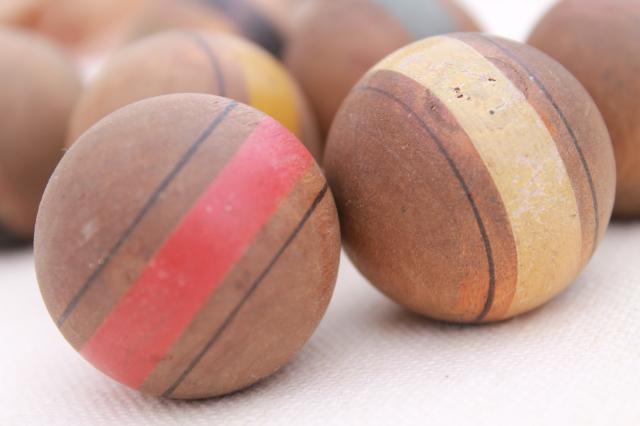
x,y
574,362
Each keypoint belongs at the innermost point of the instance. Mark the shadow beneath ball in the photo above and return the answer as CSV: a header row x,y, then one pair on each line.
x,y
621,221
250,391
397,316
10,243
406,318
560,309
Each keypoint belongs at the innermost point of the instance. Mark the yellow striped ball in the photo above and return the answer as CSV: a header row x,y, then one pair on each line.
x,y
197,62
484,178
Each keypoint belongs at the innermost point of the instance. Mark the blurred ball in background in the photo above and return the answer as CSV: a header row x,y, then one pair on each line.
x,y
86,26
162,15
18,12
197,62
599,42
39,87
334,42
266,22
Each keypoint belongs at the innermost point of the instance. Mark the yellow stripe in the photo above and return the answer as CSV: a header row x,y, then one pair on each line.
x,y
270,88
519,153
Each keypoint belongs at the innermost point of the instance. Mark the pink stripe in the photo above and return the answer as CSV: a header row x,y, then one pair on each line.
x,y
196,257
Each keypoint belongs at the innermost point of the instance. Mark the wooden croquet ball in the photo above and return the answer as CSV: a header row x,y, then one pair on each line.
x,y
485,177
334,42
181,62
599,42
265,22
39,87
187,245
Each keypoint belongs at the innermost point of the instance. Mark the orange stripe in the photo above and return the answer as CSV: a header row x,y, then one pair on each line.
x,y
188,267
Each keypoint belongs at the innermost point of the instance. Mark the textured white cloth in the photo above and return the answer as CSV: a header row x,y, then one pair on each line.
x,y
576,361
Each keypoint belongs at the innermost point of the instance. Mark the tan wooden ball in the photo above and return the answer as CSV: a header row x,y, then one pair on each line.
x,y
599,42
187,245
38,89
484,178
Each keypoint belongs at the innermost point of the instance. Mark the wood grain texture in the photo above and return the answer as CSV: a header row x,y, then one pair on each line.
x,y
252,289
572,119
197,62
39,87
514,134
228,330
598,42
410,192
334,42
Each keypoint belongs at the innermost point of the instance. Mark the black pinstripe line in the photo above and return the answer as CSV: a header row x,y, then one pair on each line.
x,y
155,195
227,322
476,212
213,60
574,139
